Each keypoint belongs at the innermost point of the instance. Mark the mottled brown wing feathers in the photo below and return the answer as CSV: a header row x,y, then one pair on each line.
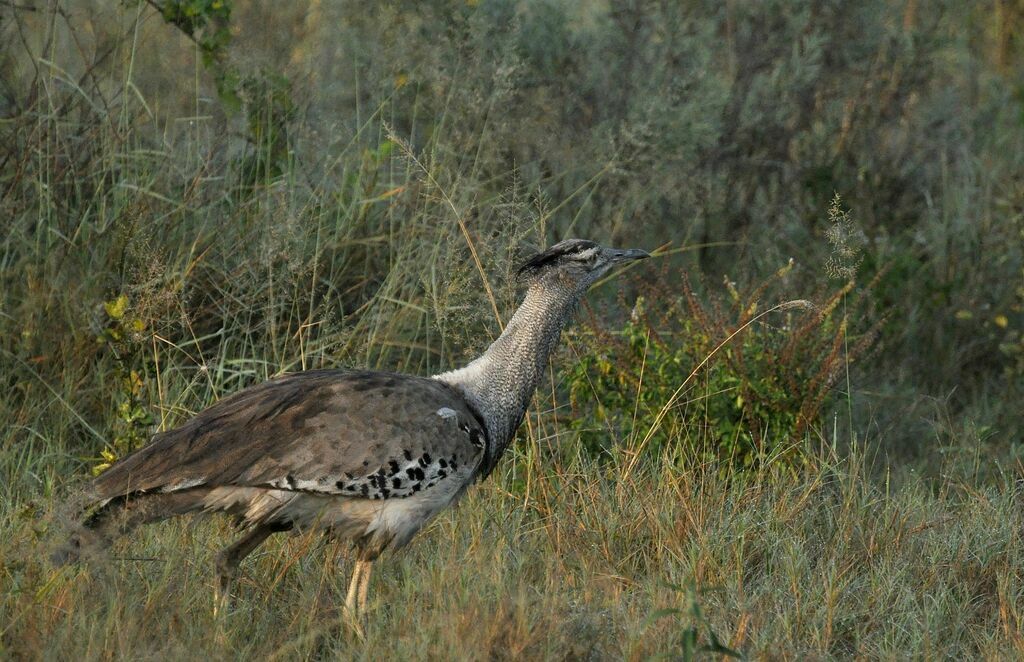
x,y
362,434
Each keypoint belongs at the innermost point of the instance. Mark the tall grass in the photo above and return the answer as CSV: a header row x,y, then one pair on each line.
x,y
364,202
829,565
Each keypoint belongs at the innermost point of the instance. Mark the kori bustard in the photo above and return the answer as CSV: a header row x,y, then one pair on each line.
x,y
368,456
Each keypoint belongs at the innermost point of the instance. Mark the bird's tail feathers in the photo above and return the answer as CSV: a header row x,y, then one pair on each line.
x,y
76,533
92,523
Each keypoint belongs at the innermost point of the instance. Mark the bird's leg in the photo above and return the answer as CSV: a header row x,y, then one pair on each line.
x,y
364,586
353,589
228,560
356,600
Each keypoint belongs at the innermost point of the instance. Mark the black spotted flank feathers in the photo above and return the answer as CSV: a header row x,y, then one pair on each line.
x,y
552,255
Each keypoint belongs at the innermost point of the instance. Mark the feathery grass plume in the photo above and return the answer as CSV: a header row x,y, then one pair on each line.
x,y
847,241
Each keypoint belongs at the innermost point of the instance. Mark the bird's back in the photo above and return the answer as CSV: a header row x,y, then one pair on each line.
x,y
364,435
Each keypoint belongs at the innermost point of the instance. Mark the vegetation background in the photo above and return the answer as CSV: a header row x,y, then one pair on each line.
x,y
200,194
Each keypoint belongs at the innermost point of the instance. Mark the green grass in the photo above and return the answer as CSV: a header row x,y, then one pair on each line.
x,y
362,202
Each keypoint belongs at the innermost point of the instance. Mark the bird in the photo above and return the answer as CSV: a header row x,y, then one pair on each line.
x,y
367,457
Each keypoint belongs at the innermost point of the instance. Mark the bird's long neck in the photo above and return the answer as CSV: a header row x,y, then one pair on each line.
x,y
501,383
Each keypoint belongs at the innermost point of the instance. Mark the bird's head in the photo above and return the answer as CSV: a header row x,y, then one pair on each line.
x,y
576,263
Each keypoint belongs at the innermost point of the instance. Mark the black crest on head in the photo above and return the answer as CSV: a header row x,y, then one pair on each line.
x,y
553,255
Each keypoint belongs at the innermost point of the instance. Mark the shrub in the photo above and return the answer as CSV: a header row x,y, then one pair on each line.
x,y
133,422
763,389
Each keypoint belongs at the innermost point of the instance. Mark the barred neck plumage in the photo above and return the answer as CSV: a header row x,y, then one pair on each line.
x,y
501,382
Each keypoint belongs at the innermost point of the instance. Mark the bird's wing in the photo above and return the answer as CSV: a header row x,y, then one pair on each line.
x,y
359,434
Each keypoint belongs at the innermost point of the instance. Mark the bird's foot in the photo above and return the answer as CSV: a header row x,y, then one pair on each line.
x,y
222,594
355,621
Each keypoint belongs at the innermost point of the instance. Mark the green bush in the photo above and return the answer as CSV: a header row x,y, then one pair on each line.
x,y
726,381
121,336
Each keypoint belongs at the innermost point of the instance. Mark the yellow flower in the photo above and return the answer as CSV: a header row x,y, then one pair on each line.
x,y
117,307
1001,321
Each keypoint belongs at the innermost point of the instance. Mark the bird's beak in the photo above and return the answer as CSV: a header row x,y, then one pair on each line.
x,y
628,255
